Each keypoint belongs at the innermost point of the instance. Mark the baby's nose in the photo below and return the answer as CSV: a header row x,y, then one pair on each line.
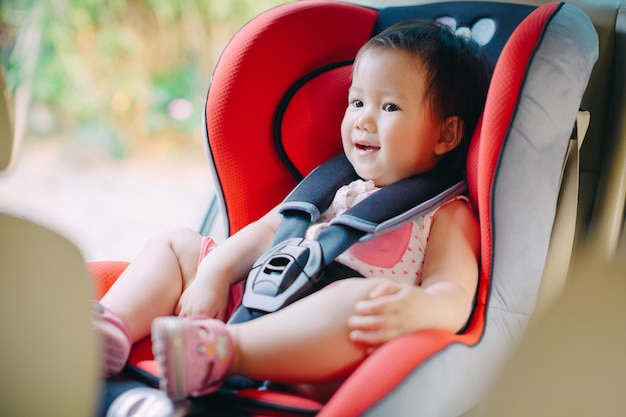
x,y
366,123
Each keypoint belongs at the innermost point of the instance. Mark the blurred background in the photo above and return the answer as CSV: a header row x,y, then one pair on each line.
x,y
108,98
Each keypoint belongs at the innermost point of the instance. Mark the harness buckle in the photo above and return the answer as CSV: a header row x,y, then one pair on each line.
x,y
288,271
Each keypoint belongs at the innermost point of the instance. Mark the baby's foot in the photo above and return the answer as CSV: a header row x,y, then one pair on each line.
x,y
193,354
115,339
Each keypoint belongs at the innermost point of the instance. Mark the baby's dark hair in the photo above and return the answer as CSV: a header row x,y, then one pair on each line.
x,y
457,70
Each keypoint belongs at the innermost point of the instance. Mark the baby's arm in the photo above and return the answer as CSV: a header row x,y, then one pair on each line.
x,y
445,298
226,264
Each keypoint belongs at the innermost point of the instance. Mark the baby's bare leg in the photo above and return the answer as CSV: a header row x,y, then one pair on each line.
x,y
305,342
152,284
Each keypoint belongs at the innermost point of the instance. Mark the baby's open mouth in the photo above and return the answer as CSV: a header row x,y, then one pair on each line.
x,y
366,148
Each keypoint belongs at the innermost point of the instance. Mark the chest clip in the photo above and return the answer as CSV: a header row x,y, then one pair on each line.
x,y
285,273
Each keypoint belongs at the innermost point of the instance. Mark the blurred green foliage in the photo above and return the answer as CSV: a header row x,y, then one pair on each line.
x,y
119,74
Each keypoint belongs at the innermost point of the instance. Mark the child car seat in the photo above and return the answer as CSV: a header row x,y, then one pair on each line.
x,y
296,76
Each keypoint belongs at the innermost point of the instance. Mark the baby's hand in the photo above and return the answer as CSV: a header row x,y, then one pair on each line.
x,y
385,315
207,299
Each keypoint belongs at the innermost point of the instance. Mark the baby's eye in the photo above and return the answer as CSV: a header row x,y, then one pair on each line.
x,y
357,103
390,107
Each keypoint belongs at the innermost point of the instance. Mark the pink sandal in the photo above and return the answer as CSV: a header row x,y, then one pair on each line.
x,y
194,355
115,339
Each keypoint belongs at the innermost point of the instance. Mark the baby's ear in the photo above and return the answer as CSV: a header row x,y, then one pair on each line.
x,y
450,135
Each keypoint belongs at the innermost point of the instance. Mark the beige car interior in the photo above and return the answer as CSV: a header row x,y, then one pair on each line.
x,y
49,355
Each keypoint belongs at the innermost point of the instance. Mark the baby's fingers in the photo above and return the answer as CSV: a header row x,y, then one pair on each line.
x,y
384,288
365,322
366,330
368,307
377,306
372,337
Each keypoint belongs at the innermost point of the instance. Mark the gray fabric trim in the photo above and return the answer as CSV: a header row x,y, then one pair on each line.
x,y
524,203
309,208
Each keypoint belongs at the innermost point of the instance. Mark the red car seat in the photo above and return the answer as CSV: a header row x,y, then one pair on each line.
x,y
273,113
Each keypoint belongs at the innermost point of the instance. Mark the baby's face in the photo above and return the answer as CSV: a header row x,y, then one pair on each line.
x,y
388,130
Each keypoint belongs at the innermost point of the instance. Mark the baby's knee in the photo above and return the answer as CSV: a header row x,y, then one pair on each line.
x,y
177,238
